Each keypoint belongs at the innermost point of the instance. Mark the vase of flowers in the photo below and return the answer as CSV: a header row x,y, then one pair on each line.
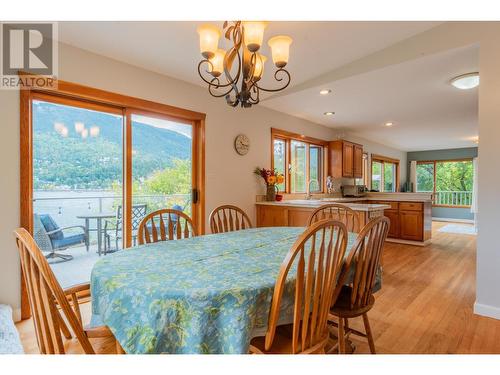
x,y
272,179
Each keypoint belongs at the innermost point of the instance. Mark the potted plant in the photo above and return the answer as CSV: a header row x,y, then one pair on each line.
x,y
272,178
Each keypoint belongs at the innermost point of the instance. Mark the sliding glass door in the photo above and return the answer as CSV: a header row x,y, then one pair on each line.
x,y
79,176
77,183
162,165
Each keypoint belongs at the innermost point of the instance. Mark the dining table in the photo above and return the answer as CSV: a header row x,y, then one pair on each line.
x,y
206,294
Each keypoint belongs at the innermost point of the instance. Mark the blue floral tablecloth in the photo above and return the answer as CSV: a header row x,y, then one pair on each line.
x,y
207,294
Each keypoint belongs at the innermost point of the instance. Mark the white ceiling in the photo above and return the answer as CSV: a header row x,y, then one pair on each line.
x,y
416,96
427,112
171,48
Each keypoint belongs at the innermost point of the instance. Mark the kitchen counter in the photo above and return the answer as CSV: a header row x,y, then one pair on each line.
x,y
315,203
409,213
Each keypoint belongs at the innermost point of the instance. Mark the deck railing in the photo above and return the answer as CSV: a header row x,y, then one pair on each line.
x,y
453,198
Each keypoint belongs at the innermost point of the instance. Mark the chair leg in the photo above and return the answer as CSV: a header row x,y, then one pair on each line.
x,y
369,333
119,349
341,337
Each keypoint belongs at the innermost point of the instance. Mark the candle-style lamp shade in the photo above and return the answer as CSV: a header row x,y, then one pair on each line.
x,y
217,61
253,34
209,40
280,47
259,67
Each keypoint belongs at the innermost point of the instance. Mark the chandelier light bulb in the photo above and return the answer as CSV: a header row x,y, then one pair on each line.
x,y
259,66
280,47
253,34
209,40
217,61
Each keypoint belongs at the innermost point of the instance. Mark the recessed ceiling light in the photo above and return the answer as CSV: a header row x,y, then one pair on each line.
x,y
466,81
325,91
389,124
329,113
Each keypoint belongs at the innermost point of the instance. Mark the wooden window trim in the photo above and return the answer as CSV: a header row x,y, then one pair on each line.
x,y
434,162
384,159
287,137
97,99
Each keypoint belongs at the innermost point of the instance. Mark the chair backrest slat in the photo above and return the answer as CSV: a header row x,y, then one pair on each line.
x,y
366,254
172,225
228,218
335,211
45,295
318,256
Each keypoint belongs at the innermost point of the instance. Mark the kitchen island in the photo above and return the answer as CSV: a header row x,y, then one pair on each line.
x,y
410,214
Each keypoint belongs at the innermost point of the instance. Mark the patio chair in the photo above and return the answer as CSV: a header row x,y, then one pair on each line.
x,y
113,228
52,239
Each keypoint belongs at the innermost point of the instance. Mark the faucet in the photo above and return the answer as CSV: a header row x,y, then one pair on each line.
x,y
309,195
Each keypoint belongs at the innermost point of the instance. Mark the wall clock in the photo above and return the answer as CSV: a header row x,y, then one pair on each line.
x,y
241,144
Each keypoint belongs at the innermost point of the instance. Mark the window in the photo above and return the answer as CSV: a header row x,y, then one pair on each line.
x,y
449,180
364,180
94,170
301,159
279,157
385,174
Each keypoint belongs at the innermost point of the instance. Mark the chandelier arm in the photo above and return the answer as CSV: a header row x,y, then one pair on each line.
x,y
287,76
232,103
215,87
210,82
229,59
256,99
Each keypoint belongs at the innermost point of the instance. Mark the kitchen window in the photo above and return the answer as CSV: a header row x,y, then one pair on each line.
x,y
385,174
450,181
300,159
365,179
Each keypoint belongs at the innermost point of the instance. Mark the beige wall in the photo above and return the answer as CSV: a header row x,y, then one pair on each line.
x,y
229,177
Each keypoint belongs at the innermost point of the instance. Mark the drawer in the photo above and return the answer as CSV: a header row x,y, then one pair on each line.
x,y
411,206
394,205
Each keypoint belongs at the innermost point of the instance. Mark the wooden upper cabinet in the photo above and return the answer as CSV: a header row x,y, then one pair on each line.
x,y
358,161
345,159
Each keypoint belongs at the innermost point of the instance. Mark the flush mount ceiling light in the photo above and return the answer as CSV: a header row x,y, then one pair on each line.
x,y
325,91
466,81
235,73
389,124
329,113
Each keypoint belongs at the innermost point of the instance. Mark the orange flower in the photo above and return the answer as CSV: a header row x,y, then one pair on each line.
x,y
280,179
271,180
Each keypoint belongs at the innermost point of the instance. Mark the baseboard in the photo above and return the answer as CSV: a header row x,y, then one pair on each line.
x,y
408,242
16,315
467,221
487,310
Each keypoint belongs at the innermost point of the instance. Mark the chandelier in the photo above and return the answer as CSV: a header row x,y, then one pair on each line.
x,y
235,73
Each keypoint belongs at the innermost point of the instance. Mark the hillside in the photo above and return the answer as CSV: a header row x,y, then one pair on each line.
x,y
71,161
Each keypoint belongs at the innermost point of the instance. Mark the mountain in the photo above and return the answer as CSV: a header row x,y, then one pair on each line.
x,y
64,159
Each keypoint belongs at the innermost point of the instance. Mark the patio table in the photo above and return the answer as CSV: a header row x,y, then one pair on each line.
x,y
207,294
98,217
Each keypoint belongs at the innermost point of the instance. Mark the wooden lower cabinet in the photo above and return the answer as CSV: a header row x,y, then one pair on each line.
x,y
271,216
276,216
393,216
411,225
410,221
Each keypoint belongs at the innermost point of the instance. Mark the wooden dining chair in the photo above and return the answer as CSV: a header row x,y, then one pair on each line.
x,y
164,225
228,218
47,300
316,258
355,289
335,211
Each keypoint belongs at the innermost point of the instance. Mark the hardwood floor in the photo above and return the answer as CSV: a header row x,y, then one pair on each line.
x,y
425,305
